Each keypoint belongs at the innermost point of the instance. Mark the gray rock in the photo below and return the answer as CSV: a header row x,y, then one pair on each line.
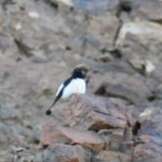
x,y
93,7
40,43
139,43
63,153
53,134
133,89
150,134
103,31
91,112
148,9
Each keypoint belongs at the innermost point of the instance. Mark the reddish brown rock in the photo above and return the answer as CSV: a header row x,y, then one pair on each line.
x,y
67,153
149,147
91,112
53,134
112,156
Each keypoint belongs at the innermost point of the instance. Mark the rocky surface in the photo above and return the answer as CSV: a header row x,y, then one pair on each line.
x,y
119,119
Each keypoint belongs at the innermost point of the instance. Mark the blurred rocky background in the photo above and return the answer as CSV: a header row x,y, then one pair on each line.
x,y
119,119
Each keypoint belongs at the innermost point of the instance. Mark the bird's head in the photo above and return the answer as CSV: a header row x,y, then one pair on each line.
x,y
80,71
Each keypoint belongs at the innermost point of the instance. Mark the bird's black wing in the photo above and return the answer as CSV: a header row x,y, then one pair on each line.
x,y
59,95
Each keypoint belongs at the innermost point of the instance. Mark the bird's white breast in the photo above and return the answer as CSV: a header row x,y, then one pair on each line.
x,y
76,86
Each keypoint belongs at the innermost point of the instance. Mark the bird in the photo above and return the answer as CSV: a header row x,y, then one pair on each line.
x,y
75,84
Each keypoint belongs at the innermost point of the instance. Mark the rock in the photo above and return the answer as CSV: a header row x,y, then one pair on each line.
x,y
8,113
11,134
93,7
150,135
112,156
147,153
31,39
66,2
67,153
105,5
132,90
59,153
8,48
149,67
141,29
41,41
91,112
106,135
53,134
144,8
159,91
85,138
105,58
135,41
102,31
147,113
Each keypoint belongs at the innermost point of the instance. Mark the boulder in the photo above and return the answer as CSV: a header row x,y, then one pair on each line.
x,y
89,112
101,33
144,8
134,89
66,153
53,134
135,40
150,135
112,156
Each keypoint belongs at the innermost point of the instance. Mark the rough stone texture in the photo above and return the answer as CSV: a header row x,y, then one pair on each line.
x,y
53,134
150,134
134,89
66,153
135,41
144,8
91,112
101,33
113,156
41,41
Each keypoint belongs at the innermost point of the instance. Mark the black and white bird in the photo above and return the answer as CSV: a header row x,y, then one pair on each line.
x,y
75,84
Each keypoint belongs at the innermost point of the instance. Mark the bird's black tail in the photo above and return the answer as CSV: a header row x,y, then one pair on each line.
x,y
49,111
